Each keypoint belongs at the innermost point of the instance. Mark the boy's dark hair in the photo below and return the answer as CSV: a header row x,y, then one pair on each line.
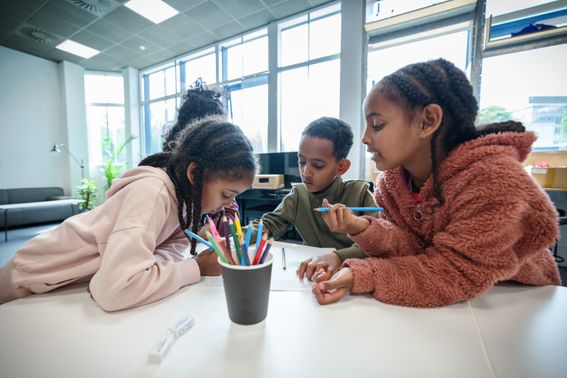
x,y
441,82
337,131
197,102
215,145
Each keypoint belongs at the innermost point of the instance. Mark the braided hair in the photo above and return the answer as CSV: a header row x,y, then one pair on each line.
x,y
219,149
197,102
441,82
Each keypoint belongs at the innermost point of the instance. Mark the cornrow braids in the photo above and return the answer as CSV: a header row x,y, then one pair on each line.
x,y
441,82
218,149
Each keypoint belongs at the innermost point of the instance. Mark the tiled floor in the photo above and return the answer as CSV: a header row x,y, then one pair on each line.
x,y
19,236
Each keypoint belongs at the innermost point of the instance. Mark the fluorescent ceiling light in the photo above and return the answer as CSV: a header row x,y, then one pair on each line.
x,y
154,10
78,49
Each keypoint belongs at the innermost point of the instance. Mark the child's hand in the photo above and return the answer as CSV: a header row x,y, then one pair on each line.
x,y
313,267
208,264
334,289
340,219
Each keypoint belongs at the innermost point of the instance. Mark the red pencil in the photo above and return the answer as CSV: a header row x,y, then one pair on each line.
x,y
260,248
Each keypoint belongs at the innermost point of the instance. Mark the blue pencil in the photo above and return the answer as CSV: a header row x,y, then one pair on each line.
x,y
365,209
198,238
247,244
259,235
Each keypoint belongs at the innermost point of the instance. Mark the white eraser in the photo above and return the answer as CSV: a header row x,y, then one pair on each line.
x,y
182,326
161,348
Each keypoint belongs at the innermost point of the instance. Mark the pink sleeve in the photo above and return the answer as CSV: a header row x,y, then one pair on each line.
x,y
383,238
174,249
130,275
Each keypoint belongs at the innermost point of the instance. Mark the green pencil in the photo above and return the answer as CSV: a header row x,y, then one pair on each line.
x,y
236,241
216,247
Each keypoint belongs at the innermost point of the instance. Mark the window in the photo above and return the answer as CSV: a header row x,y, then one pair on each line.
x,y
104,97
244,78
386,57
308,72
160,90
382,9
200,65
540,102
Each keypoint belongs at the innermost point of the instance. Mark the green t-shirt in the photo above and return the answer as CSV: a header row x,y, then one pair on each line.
x,y
296,209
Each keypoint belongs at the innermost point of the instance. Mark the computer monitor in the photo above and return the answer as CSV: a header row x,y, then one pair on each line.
x,y
280,163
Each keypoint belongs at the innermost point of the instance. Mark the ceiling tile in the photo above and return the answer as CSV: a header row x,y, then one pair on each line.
x,y
7,26
129,20
68,12
183,5
182,47
92,40
58,55
18,11
52,24
209,15
240,8
228,30
271,3
20,43
122,53
136,41
109,31
160,56
105,61
290,7
257,19
161,36
202,39
182,25
319,2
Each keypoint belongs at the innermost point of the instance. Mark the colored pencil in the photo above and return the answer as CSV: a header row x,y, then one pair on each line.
x,y
364,209
199,239
247,245
216,248
236,242
259,235
260,248
266,250
238,226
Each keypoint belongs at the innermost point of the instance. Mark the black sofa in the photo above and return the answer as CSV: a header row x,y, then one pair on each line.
x,y
31,215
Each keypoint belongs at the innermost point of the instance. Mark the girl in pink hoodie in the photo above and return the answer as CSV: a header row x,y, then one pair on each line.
x,y
132,248
460,213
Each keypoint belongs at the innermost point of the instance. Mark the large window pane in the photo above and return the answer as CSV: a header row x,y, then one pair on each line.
x,y
203,67
385,58
157,85
381,9
170,81
103,121
499,7
249,110
255,56
294,45
528,87
160,114
104,89
306,93
325,37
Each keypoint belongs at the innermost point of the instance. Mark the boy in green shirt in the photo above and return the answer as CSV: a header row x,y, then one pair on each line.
x,y
325,144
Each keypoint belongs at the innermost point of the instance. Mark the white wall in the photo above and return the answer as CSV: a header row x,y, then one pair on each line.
x,y
41,103
31,120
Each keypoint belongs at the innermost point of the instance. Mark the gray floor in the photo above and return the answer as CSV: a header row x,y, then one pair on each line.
x,y
17,237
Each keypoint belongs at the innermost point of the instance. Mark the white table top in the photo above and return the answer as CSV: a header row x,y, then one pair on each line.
x,y
511,331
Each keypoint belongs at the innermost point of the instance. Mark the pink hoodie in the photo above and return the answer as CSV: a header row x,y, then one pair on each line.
x,y
496,225
130,248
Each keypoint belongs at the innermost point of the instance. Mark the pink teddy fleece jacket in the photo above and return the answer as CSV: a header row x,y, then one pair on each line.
x,y
496,224
130,249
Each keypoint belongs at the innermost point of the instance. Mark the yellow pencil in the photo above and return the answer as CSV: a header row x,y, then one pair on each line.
x,y
238,228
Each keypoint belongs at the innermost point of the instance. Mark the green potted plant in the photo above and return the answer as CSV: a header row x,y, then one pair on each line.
x,y
111,166
88,193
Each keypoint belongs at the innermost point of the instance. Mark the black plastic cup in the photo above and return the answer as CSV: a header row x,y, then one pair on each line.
x,y
247,291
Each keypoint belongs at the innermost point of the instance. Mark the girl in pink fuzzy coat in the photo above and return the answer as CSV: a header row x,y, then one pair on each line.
x,y
460,213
